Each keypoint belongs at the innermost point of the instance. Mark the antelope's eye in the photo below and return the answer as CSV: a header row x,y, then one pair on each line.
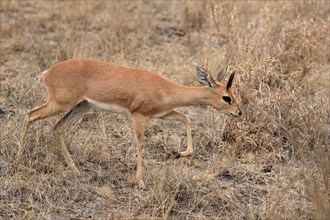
x,y
227,99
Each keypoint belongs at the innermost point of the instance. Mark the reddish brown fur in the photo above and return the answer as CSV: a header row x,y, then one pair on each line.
x,y
79,84
137,90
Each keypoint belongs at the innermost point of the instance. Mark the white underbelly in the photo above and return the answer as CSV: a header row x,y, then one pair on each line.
x,y
108,107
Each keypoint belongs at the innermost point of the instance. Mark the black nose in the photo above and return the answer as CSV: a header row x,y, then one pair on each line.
x,y
240,112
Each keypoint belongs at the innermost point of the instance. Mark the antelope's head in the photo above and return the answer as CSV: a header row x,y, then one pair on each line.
x,y
222,96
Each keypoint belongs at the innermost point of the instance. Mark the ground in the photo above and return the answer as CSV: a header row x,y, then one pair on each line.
x,y
271,163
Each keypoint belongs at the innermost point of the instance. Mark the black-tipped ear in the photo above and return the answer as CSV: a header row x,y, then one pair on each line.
x,y
230,81
204,77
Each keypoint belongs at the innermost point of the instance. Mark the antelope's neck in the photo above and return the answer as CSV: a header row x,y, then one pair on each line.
x,y
189,95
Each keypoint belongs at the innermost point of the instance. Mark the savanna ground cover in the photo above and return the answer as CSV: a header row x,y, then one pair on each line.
x,y
271,163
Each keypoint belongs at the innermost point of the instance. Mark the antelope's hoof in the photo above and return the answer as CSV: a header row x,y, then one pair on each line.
x,y
75,170
177,155
141,184
77,173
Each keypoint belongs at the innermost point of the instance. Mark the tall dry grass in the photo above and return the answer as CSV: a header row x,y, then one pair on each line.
x,y
272,163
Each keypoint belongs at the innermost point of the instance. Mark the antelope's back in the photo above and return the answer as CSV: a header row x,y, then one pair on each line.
x,y
106,82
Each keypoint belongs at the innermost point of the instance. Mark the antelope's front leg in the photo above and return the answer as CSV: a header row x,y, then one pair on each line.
x,y
139,123
176,116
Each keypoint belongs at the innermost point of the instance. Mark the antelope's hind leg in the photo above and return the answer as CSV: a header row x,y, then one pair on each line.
x,y
69,119
176,116
38,113
139,123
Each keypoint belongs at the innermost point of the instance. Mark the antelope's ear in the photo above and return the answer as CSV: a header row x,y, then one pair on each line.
x,y
221,74
204,77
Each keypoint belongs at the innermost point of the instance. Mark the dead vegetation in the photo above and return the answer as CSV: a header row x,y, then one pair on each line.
x,y
273,162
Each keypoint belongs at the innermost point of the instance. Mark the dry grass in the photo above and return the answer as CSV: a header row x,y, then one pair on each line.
x,y
272,163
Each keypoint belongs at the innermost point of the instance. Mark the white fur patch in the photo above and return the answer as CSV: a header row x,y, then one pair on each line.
x,y
44,72
108,107
162,114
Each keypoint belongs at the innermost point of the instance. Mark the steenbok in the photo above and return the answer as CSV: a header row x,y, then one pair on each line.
x,y
77,85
